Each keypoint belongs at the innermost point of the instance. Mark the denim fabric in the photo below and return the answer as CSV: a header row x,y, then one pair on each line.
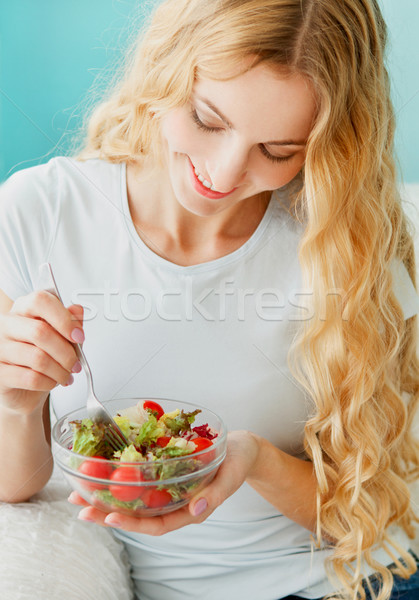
x,y
403,589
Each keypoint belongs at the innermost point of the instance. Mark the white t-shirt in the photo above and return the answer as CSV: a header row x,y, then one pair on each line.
x,y
215,334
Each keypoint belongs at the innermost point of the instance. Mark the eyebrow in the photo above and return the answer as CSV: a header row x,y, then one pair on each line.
x,y
230,125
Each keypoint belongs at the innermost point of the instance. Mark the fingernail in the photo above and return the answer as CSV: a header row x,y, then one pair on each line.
x,y
70,381
77,367
113,521
72,498
83,517
77,335
200,507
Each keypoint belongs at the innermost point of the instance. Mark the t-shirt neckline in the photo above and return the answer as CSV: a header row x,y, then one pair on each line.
x,y
206,266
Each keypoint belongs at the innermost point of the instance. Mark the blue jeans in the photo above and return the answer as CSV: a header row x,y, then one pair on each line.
x,y
403,589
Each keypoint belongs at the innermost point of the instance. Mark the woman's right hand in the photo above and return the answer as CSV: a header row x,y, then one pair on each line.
x,y
36,350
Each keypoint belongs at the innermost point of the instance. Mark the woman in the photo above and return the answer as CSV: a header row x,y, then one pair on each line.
x,y
233,225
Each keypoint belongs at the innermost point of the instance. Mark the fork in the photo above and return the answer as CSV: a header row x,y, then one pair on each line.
x,y
95,409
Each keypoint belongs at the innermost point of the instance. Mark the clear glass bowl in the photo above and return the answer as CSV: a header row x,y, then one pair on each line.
x,y
150,490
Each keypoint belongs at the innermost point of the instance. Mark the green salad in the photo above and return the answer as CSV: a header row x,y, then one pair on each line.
x,y
161,447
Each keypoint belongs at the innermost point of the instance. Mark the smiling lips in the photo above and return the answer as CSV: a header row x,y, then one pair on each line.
x,y
204,187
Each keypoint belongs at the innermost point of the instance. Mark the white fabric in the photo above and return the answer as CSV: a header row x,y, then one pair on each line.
x,y
404,290
215,334
46,553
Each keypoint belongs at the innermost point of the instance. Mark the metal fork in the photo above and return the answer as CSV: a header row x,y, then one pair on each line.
x,y
96,411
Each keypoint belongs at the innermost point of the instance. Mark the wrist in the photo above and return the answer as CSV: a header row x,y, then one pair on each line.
x,y
23,414
262,449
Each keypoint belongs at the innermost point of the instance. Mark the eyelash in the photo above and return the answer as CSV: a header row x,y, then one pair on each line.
x,y
208,129
201,125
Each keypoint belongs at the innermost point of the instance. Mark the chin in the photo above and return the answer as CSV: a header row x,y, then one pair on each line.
x,y
198,205
202,208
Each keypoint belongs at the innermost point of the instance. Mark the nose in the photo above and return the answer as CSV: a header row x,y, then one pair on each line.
x,y
229,168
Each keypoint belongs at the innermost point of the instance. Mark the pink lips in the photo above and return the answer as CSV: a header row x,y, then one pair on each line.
x,y
204,191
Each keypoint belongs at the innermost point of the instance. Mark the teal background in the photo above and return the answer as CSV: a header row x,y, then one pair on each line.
x,y
52,50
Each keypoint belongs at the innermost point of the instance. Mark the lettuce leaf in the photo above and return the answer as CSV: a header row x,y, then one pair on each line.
x,y
107,498
177,468
129,454
169,452
182,422
124,425
88,438
149,432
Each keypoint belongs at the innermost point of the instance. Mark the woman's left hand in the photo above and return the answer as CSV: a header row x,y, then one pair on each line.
x,y
242,452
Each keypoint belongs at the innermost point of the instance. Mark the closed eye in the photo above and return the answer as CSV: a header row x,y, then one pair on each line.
x,y
209,129
272,157
202,125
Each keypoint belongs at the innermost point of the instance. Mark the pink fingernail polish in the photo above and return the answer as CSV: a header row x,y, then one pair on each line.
x,y
77,335
83,518
77,367
200,507
113,521
70,381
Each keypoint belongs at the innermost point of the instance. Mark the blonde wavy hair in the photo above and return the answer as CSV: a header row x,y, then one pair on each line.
x,y
359,364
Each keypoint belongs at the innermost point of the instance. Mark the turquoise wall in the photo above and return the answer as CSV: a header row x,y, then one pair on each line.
x,y
52,50
402,17
50,53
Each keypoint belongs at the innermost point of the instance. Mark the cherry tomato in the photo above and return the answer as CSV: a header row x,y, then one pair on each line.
x,y
202,443
96,469
154,498
163,441
126,493
154,407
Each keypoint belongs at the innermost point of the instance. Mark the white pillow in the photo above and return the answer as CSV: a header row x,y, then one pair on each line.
x,y
46,553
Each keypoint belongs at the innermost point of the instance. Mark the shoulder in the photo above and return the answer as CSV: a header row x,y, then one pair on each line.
x,y
44,184
95,175
27,199
34,201
27,183
44,208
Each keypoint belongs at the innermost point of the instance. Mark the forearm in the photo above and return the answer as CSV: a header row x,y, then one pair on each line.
x,y
288,483
25,455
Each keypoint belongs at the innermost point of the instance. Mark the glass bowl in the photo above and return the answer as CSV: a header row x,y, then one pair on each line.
x,y
142,489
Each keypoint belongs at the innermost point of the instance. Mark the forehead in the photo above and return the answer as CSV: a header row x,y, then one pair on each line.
x,y
271,103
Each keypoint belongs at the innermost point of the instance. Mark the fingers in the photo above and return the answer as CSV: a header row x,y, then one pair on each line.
x,y
36,337
45,306
22,378
37,349
155,526
75,498
242,451
226,482
39,368
77,311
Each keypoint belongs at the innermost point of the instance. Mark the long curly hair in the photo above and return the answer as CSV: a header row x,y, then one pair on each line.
x,y
356,356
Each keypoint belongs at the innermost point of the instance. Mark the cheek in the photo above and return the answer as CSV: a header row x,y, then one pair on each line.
x,y
274,176
178,133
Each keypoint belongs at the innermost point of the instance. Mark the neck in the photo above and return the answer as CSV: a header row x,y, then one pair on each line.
x,y
181,236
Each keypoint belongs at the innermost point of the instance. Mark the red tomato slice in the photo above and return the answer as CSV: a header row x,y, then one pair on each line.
x,y
202,443
154,407
126,493
95,469
163,441
154,498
